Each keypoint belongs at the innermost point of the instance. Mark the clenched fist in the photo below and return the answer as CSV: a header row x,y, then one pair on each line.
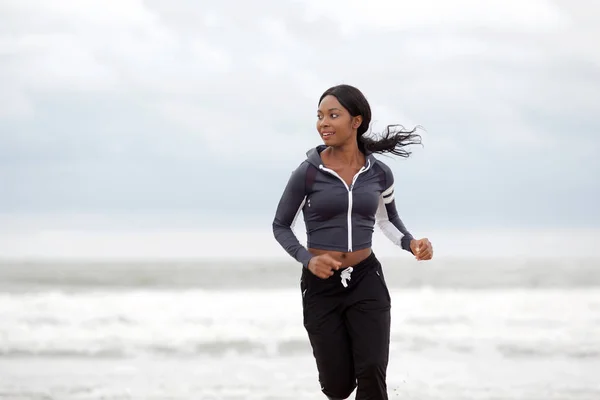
x,y
422,249
323,265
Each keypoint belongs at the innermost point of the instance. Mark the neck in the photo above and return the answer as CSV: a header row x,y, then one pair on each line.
x,y
348,154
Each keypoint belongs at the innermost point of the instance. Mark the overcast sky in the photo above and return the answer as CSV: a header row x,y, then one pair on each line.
x,y
195,113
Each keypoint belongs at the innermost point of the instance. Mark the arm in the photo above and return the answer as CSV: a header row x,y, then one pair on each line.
x,y
289,207
387,216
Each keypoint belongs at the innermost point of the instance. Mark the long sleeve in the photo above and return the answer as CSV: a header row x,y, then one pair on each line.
x,y
289,207
388,219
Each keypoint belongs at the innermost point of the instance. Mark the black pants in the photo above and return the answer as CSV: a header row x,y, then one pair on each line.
x,y
349,329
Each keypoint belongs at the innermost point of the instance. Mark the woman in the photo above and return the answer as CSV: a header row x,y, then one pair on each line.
x,y
343,190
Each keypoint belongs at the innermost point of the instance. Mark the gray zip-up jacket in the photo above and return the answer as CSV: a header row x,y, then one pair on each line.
x,y
338,217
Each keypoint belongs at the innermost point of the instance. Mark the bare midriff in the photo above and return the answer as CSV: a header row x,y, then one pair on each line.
x,y
347,259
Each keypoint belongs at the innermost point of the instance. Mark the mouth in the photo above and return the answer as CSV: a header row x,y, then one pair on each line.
x,y
326,135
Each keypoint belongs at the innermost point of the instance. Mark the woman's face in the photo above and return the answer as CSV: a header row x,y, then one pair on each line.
x,y
334,123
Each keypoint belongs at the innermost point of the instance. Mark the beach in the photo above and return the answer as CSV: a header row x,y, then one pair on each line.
x,y
461,329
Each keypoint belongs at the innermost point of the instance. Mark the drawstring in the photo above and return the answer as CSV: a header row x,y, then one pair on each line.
x,y
345,276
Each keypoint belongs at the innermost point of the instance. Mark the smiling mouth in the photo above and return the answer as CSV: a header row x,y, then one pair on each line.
x,y
327,134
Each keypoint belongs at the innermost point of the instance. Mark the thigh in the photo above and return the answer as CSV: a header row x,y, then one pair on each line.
x,y
329,339
368,320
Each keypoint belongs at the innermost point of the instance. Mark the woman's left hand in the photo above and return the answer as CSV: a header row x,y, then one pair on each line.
x,y
422,249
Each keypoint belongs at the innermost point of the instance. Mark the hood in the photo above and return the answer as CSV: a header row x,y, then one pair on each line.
x,y
313,156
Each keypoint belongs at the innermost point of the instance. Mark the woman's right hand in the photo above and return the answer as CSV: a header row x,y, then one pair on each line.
x,y
323,265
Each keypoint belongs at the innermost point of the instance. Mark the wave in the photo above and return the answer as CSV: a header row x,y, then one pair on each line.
x,y
288,348
125,350
214,275
513,324
580,351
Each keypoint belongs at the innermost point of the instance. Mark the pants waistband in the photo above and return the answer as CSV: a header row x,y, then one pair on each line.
x,y
344,277
367,263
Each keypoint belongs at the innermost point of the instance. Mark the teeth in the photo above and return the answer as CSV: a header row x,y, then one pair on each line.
x,y
327,133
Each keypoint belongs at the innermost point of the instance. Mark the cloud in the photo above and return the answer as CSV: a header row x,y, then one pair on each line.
x,y
188,106
405,15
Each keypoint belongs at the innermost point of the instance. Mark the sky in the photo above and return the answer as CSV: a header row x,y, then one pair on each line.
x,y
143,127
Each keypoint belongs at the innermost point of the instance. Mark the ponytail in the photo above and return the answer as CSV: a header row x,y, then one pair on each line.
x,y
392,141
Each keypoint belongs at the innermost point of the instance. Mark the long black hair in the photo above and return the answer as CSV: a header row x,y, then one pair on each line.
x,y
392,141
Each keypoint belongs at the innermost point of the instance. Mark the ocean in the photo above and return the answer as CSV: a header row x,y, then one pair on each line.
x,y
501,329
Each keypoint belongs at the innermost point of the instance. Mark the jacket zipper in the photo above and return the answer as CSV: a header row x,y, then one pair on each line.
x,y
349,189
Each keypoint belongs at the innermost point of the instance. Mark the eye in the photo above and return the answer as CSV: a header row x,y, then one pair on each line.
x,y
334,115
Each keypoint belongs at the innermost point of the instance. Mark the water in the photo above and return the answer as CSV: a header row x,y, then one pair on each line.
x,y
461,329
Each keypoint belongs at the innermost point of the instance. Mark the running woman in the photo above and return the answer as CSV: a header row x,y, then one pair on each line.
x,y
343,191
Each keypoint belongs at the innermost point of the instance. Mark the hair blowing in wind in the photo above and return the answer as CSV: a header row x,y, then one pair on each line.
x,y
393,140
